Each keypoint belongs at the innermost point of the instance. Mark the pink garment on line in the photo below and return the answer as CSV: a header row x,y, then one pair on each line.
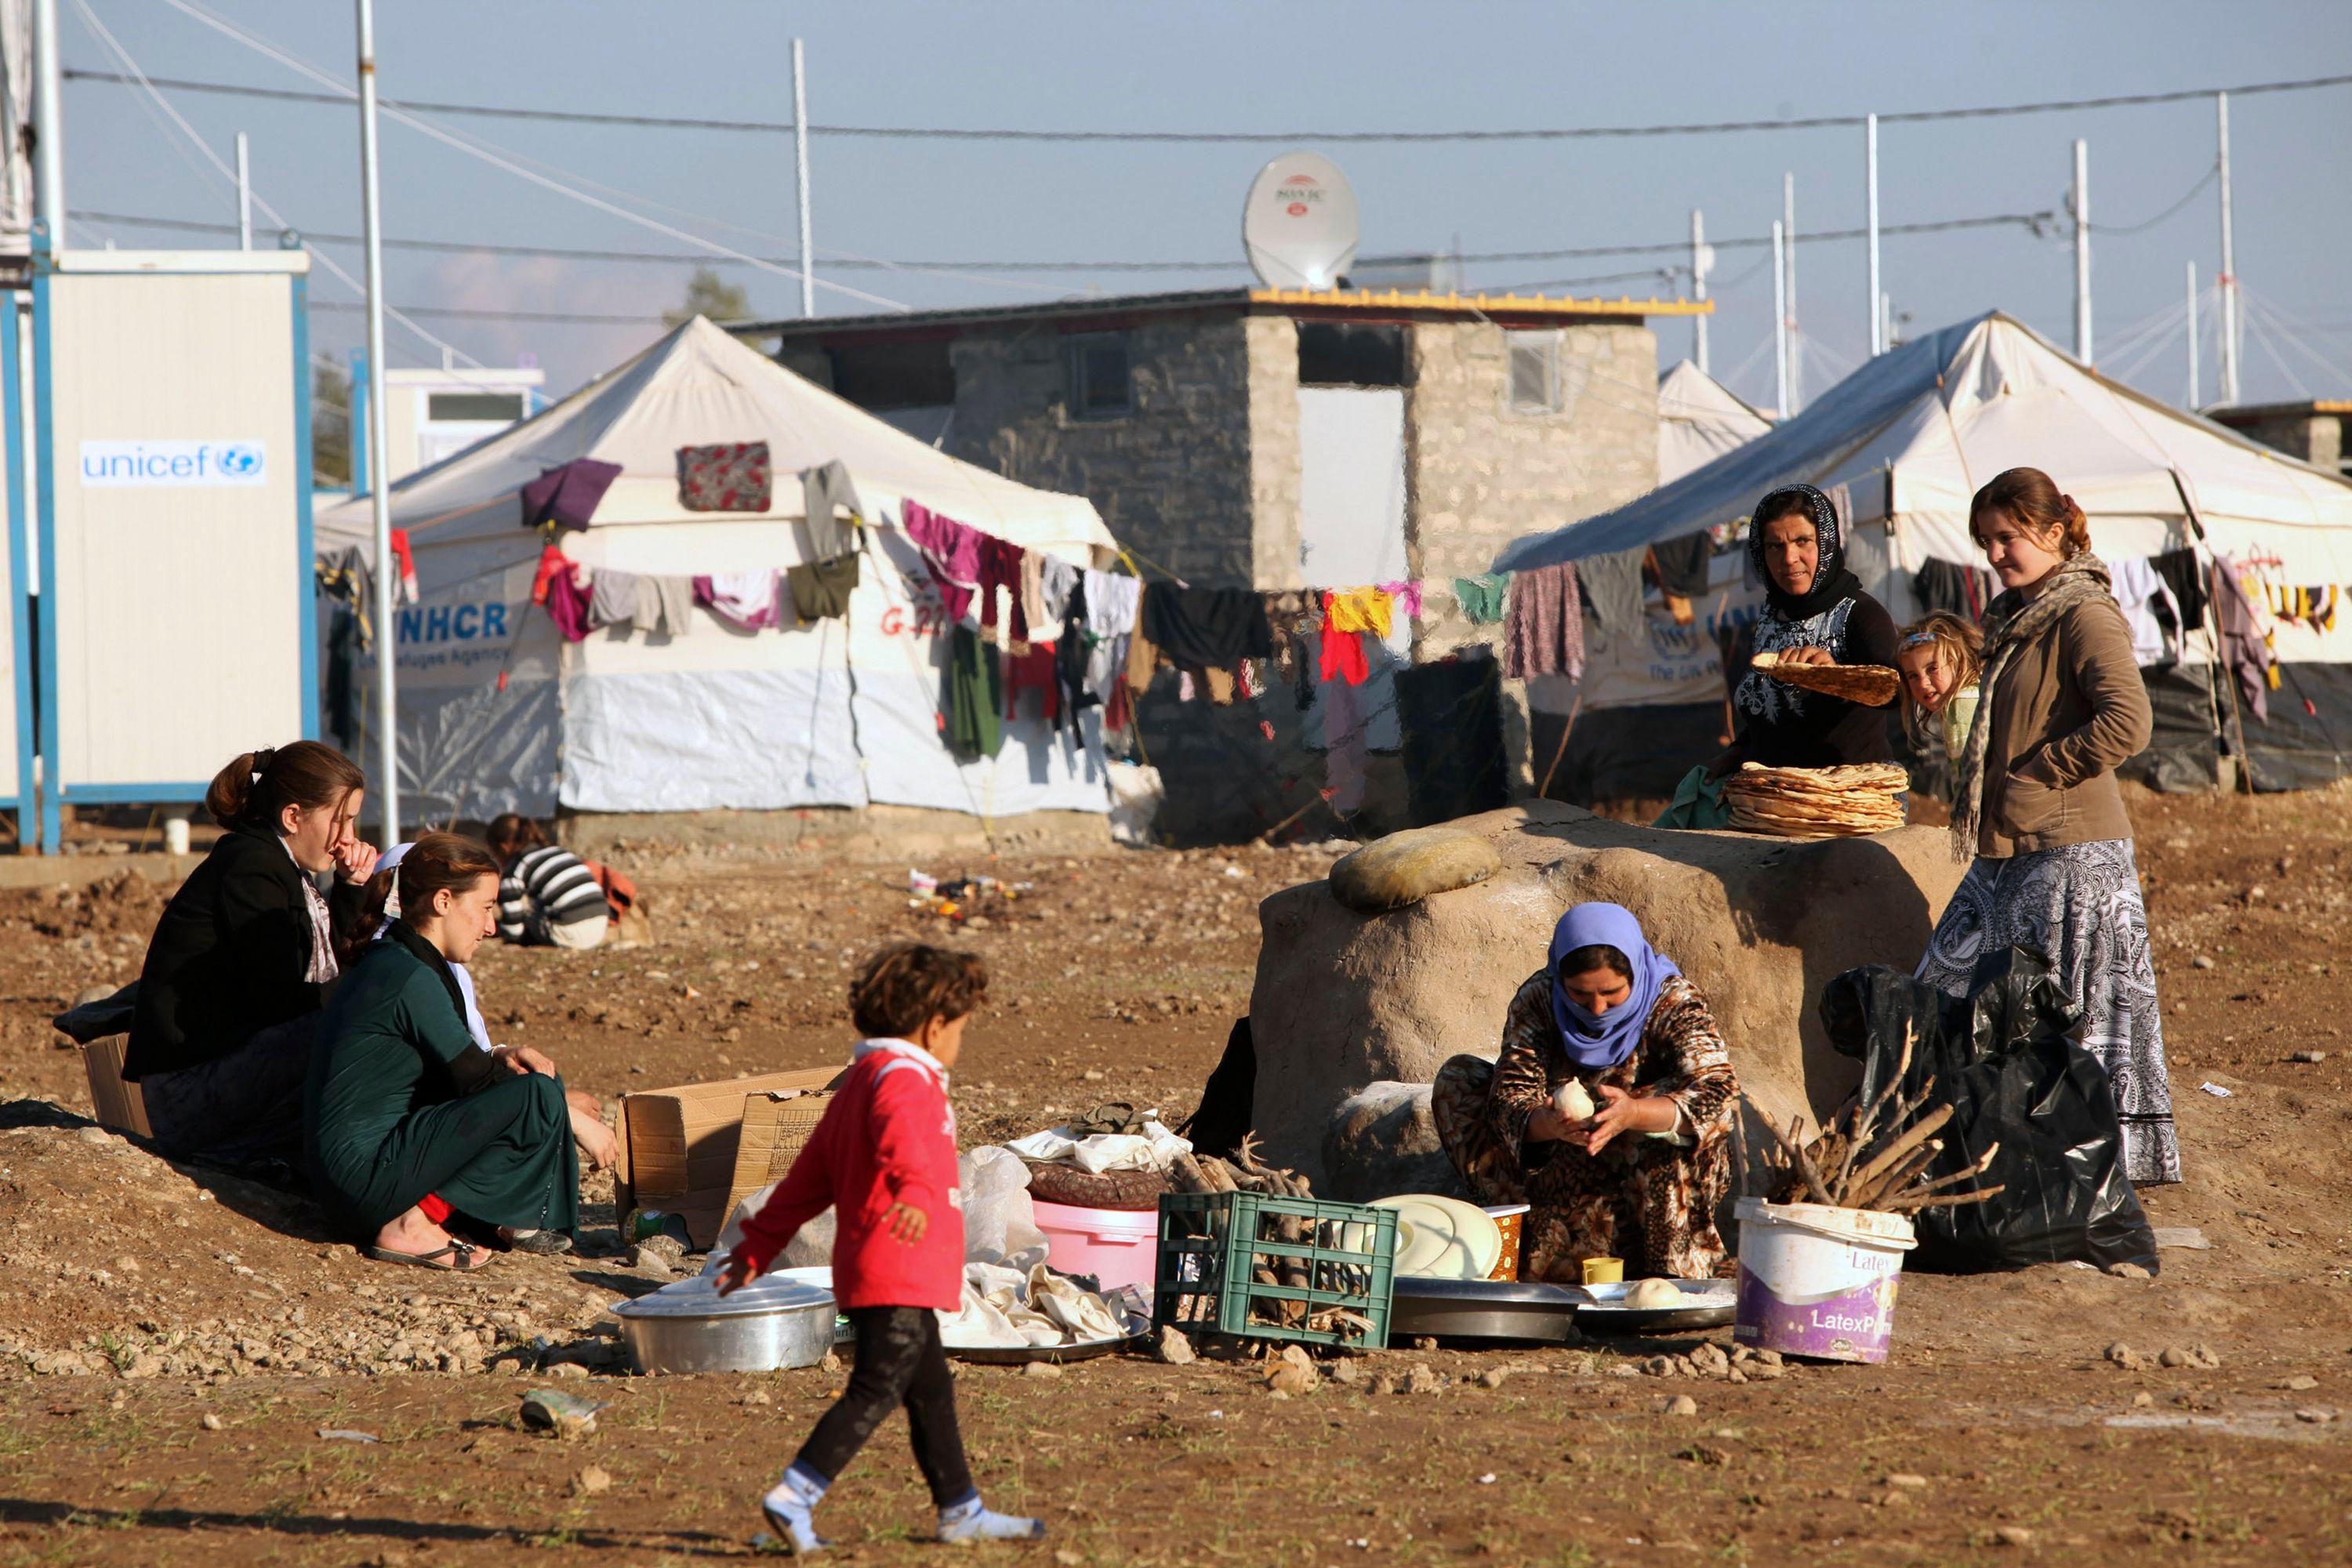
x,y
951,551
567,602
1000,567
1543,630
1406,595
744,599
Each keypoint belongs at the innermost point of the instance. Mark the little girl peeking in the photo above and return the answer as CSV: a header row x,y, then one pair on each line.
x,y
1938,654
882,1158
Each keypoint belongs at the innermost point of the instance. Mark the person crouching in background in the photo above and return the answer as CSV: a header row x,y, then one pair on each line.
x,y
547,897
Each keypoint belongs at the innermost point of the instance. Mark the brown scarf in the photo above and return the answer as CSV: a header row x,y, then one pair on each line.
x,y
2012,622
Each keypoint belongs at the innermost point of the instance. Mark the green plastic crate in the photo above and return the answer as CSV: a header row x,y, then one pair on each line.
x,y
1343,1257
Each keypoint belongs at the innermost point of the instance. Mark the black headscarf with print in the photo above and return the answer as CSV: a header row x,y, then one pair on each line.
x,y
1832,580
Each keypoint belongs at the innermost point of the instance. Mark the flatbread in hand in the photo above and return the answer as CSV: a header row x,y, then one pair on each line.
x,y
1871,685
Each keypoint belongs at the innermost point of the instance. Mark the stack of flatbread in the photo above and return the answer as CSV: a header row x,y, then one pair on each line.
x,y
1816,802
1871,685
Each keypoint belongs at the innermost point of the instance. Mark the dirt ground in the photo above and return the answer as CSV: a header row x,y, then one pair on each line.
x,y
182,1356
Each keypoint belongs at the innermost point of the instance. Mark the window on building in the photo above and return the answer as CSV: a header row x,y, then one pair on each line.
x,y
1101,379
905,374
1343,353
1535,372
507,406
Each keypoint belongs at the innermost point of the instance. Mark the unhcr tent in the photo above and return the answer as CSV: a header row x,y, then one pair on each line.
x,y
1911,436
498,712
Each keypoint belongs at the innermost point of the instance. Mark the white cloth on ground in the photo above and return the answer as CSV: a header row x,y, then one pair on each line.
x,y
1006,1307
1153,1149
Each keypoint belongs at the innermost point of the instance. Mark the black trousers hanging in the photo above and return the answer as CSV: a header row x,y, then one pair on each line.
x,y
899,1361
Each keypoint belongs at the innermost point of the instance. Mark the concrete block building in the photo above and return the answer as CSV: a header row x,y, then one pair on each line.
x,y
1282,439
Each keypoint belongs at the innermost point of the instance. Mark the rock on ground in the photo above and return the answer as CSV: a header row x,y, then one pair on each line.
x,y
1380,1141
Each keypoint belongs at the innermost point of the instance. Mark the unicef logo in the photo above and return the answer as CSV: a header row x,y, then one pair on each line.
x,y
240,462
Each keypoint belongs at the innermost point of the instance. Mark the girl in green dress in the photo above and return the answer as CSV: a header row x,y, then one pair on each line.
x,y
406,1120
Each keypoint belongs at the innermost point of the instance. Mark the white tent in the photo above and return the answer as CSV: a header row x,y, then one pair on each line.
x,y
833,713
1700,419
1913,434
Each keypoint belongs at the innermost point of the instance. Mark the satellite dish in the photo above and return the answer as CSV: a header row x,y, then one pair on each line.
x,y
1298,224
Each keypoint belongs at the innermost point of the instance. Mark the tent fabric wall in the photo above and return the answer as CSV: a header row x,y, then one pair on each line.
x,y
838,713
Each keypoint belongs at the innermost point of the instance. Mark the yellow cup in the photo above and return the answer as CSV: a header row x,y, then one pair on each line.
x,y
1604,1271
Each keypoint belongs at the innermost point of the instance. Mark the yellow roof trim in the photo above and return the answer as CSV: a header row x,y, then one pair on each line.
x,y
1465,304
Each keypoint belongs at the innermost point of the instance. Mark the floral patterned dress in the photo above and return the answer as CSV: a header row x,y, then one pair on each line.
x,y
1650,1200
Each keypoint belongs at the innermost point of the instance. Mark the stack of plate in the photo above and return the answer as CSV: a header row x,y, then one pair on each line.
x,y
1443,1238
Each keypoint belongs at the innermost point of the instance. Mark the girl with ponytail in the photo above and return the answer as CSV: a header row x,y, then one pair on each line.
x,y
240,962
2038,808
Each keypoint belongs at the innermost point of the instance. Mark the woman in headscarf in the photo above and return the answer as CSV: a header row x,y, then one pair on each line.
x,y
1815,612
2038,808
1641,1177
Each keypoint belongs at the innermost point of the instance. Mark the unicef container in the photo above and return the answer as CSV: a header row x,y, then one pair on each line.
x,y
1818,1281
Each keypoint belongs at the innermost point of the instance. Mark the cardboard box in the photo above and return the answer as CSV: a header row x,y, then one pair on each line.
x,y
776,1128
114,1102
679,1146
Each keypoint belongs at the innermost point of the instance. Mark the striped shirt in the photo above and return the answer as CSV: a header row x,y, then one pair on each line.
x,y
547,887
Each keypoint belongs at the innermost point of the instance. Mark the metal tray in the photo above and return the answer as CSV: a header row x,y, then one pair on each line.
x,y
1484,1310
1604,1312
1020,1355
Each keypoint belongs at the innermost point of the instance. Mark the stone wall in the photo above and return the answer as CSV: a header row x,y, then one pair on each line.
x,y
1173,477
2314,439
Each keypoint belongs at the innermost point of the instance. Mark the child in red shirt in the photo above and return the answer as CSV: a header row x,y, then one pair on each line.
x,y
882,1158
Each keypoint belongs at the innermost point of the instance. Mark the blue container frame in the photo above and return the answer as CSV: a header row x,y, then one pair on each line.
x,y
57,792
20,590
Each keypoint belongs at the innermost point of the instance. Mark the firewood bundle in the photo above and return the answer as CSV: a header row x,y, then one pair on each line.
x,y
1816,802
1244,1172
1871,685
1874,1157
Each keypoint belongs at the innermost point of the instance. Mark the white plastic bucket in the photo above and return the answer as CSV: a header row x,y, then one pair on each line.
x,y
1116,1246
1818,1281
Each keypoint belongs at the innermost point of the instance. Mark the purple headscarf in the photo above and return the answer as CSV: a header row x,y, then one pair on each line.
x,y
1599,1042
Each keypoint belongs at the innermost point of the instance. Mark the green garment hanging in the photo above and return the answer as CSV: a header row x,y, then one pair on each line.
x,y
975,696
1481,598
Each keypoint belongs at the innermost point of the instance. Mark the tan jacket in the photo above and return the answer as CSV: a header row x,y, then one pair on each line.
x,y
2069,709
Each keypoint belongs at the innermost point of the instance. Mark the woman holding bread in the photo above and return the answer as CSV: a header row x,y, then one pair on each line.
x,y
1815,612
2038,808
1608,1112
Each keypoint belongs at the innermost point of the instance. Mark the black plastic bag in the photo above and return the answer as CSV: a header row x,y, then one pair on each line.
x,y
2007,1061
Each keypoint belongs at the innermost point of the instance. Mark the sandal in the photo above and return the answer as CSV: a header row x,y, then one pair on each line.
x,y
457,1250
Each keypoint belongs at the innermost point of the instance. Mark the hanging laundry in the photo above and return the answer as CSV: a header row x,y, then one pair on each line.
x,y
344,577
1406,597
1186,686
1218,682
972,696
1057,579
1207,627
1343,650
1142,654
1346,752
2245,644
1000,567
2148,610
1964,590
567,496
1612,586
1030,668
749,601
821,589
951,553
1682,564
1075,651
731,475
612,599
1110,603
552,561
568,597
2185,575
401,553
824,489
1359,610
1031,594
1543,633
664,600
1481,598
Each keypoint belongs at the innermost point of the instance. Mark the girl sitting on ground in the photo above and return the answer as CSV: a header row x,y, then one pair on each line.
x,y
547,897
884,1158
1940,654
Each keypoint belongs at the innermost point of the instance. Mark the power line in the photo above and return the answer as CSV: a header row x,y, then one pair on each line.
x,y
1000,133
2038,223
558,318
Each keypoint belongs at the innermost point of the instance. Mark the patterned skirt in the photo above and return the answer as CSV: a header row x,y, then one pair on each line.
x,y
2079,905
1645,1200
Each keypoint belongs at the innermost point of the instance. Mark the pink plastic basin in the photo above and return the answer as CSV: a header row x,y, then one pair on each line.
x,y
1116,1246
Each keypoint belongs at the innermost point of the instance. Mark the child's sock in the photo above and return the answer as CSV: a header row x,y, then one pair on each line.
x,y
789,1504
970,1521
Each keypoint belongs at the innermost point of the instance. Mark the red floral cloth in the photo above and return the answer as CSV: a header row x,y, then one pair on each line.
x,y
729,476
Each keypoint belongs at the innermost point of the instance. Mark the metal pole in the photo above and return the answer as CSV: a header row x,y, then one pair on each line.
x,y
1795,391
800,155
1698,286
1885,322
2192,337
1780,318
387,571
2229,278
1870,175
48,124
243,192
2082,251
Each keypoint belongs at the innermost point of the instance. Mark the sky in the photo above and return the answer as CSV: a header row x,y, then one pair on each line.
x,y
956,205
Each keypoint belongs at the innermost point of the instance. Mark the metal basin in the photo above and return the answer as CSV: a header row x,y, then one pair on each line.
x,y
1484,1310
770,1324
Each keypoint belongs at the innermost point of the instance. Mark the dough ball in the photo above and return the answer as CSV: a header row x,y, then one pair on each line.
x,y
1571,1101
1653,1295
